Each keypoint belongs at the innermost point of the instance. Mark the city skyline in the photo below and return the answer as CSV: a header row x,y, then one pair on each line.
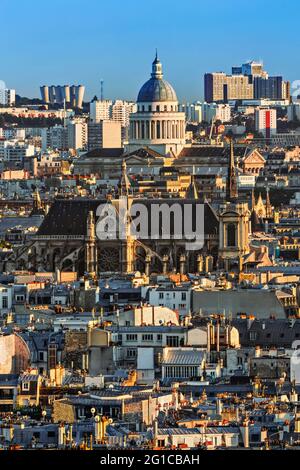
x,y
110,32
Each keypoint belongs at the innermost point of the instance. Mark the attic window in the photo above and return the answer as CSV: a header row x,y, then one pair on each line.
x,y
25,386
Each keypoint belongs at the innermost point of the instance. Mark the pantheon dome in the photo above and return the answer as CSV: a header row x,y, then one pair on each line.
x,y
157,123
156,88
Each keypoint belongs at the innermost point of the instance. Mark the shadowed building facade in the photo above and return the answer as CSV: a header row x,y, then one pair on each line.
x,y
69,240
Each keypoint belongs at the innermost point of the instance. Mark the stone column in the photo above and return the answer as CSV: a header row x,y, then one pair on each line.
x,y
199,263
182,264
165,264
147,265
209,263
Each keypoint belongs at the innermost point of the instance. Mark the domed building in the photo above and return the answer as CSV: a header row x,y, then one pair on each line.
x,y
157,123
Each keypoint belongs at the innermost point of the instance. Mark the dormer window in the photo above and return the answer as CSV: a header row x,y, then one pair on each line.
x,y
25,386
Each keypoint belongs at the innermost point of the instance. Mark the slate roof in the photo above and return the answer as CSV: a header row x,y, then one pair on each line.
x,y
184,357
212,151
8,380
208,430
104,153
279,333
68,216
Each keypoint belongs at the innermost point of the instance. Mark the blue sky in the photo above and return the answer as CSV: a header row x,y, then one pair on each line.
x,y
81,41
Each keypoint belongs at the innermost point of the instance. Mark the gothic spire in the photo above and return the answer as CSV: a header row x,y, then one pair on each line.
x,y
253,203
192,192
124,184
268,204
231,189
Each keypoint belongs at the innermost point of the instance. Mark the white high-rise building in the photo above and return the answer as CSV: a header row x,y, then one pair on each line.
x,y
55,137
193,111
16,151
218,112
117,111
121,111
7,96
266,122
100,110
77,134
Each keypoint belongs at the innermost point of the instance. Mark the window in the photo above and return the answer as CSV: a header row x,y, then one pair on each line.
x,y
159,337
252,335
147,337
172,341
41,355
131,337
4,302
161,295
131,352
25,386
51,433
183,296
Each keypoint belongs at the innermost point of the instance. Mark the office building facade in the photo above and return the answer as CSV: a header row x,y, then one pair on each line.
x,y
104,134
248,81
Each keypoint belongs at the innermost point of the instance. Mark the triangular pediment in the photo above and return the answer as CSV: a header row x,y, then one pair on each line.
x,y
254,157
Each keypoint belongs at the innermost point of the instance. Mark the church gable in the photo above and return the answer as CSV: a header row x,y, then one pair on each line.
x,y
254,157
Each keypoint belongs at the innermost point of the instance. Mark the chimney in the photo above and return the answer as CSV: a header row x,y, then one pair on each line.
x,y
219,406
227,334
237,414
208,337
97,425
218,335
245,433
61,435
155,432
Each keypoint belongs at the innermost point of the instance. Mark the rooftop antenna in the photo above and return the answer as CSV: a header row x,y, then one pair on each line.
x,y
101,92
